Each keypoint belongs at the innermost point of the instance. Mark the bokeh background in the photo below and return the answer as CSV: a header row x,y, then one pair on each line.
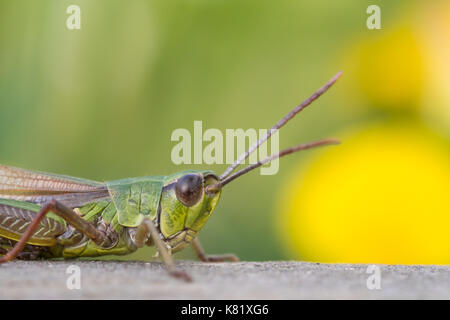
x,y
102,102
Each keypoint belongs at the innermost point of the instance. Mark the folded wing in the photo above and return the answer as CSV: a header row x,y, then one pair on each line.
x,y
38,187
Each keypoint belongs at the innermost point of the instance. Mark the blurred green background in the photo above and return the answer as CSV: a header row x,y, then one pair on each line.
x,y
102,102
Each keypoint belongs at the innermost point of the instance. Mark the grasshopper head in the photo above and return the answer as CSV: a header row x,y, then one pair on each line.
x,y
189,197
186,205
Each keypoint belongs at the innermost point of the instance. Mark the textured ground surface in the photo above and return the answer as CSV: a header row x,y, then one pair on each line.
x,y
246,280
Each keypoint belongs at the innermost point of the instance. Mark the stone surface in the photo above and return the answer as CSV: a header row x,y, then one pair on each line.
x,y
244,280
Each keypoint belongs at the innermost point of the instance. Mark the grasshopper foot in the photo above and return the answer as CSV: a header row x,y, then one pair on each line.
x,y
220,258
212,258
181,275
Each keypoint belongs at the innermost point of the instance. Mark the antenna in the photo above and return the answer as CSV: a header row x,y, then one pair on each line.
x,y
280,124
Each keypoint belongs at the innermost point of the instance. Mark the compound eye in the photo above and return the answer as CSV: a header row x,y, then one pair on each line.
x,y
189,189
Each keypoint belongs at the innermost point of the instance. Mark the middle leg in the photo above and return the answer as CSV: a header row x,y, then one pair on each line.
x,y
147,227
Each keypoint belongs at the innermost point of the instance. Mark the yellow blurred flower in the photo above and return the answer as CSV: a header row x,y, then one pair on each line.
x,y
404,66
380,197
385,69
434,29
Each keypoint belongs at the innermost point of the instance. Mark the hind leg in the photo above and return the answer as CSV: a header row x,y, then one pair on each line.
x,y
29,252
70,216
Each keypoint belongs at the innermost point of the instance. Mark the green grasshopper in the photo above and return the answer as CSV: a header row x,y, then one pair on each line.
x,y
46,215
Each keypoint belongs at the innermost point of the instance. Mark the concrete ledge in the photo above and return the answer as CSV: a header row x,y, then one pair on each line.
x,y
245,280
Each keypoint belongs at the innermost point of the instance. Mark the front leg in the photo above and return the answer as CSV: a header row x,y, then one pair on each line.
x,y
147,227
211,258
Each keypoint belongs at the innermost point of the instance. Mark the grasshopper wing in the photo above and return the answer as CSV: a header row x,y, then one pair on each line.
x,y
16,216
38,187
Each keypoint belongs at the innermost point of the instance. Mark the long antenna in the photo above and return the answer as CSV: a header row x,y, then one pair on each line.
x,y
281,123
219,185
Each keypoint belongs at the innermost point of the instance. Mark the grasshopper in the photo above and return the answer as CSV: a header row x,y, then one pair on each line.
x,y
44,216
